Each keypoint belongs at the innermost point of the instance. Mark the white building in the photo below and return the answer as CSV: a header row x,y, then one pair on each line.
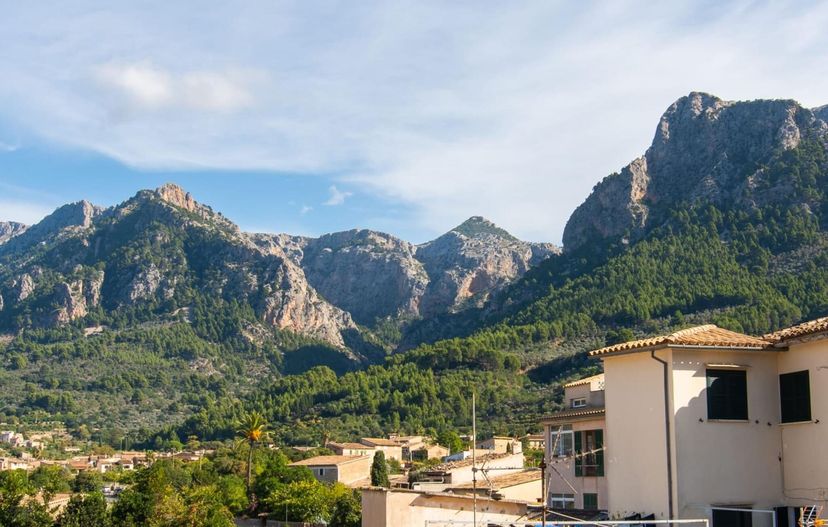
x,y
705,419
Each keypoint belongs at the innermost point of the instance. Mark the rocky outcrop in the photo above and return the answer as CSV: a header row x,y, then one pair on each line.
x,y
705,149
74,299
471,262
369,274
65,221
10,229
374,275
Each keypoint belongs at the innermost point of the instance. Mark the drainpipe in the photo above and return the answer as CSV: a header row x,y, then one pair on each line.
x,y
667,435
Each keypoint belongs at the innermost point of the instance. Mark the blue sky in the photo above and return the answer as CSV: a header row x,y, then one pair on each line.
x,y
408,117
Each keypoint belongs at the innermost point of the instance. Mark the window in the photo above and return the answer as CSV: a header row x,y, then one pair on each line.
x,y
561,446
321,471
795,396
589,453
590,502
562,501
727,518
727,395
578,402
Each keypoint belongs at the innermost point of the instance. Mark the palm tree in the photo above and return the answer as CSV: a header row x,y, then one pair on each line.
x,y
251,430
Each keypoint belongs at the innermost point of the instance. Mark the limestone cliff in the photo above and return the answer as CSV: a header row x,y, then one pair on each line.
x,y
705,150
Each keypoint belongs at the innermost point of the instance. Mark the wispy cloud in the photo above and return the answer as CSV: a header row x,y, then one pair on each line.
x,y
305,209
23,211
336,196
512,111
7,147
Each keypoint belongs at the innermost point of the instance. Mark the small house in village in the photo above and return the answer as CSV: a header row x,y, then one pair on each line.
x,y
389,447
349,470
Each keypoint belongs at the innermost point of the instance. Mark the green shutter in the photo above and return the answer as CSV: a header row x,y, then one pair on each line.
x,y
599,456
579,462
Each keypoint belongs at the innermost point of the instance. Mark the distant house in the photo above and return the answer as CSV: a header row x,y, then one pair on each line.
x,y
349,470
519,486
502,445
12,463
430,452
401,507
389,447
574,440
535,441
410,444
450,474
351,449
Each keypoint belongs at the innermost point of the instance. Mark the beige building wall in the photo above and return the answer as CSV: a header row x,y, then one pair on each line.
x,y
728,463
529,492
805,445
636,455
584,484
354,471
406,508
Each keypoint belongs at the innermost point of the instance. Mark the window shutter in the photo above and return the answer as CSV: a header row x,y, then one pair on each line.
x,y
579,462
599,456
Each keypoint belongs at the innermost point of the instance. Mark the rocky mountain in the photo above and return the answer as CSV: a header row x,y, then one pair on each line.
x,y
373,275
161,248
705,150
10,229
155,250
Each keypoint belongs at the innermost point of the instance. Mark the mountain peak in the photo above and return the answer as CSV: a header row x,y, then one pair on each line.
x,y
177,196
480,226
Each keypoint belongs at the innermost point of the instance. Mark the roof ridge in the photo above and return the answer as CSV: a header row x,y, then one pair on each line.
x,y
691,331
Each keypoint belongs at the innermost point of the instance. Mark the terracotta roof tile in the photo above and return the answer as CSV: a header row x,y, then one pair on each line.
x,y
379,441
501,482
707,335
445,467
594,411
811,327
326,460
586,380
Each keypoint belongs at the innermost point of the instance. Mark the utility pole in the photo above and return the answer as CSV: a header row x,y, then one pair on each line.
x,y
474,460
543,490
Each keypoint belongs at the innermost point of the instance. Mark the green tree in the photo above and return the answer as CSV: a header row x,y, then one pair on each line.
x,y
304,501
379,471
251,430
347,510
17,506
87,481
85,511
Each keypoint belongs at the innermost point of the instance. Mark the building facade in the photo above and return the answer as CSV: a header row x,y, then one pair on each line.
x,y
574,441
706,420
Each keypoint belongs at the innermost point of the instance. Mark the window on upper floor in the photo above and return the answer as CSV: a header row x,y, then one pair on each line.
x,y
589,453
578,402
727,395
561,442
795,396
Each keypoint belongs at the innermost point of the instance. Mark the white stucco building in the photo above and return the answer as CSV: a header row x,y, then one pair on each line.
x,y
706,419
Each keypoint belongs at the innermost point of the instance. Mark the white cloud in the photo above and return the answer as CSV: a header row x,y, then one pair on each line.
x,y
305,209
23,211
512,111
337,197
150,87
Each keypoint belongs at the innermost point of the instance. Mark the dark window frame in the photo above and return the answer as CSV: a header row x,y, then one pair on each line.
x,y
795,397
727,394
